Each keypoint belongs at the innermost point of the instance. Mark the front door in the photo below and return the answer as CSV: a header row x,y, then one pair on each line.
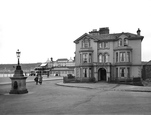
x,y
101,74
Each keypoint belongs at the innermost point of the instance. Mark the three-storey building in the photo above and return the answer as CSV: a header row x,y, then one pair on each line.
x,y
108,56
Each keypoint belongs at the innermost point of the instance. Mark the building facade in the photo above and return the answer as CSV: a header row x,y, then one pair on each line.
x,y
108,56
61,67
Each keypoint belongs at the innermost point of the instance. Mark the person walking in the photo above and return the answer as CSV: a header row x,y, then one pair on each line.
x,y
36,80
40,80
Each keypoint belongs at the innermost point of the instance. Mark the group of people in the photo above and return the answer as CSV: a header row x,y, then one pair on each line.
x,y
38,79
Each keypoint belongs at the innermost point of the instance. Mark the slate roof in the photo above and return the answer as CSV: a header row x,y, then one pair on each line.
x,y
114,36
62,59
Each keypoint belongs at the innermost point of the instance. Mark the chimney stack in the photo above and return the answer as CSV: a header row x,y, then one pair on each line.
x,y
104,30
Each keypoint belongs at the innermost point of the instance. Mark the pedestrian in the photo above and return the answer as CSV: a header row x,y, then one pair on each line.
x,y
36,80
40,80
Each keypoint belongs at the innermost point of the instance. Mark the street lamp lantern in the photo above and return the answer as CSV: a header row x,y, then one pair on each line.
x,y
18,55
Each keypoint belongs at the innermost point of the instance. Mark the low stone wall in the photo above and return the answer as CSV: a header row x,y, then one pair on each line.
x,y
133,81
73,79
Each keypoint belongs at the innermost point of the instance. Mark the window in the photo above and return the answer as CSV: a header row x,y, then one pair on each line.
x,y
100,58
90,58
128,56
122,72
125,42
105,44
128,72
101,45
122,56
116,72
120,42
86,43
106,58
80,58
85,58
90,72
116,57
85,72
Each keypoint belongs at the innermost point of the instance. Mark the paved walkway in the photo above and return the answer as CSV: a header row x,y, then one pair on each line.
x,y
107,86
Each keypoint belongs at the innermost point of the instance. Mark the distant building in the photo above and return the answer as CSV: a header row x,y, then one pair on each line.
x,y
146,70
108,56
10,68
61,67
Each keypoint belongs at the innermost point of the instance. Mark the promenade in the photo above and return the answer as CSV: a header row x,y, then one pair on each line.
x,y
98,85
7,80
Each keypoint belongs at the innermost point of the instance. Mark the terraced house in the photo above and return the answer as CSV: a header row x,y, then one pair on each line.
x,y
108,56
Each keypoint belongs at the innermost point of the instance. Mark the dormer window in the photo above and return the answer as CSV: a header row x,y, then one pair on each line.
x,y
125,42
86,43
120,42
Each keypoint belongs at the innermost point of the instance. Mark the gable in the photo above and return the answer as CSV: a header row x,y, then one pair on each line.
x,y
84,37
122,36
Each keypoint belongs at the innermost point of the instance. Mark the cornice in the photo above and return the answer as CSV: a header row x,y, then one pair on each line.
x,y
123,48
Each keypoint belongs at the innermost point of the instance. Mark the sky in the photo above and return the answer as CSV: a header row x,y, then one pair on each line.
x,y
42,29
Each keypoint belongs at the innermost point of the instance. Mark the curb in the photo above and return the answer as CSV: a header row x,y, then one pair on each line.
x,y
105,89
73,86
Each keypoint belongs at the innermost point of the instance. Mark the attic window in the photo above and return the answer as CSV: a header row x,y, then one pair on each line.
x,y
86,43
120,42
125,42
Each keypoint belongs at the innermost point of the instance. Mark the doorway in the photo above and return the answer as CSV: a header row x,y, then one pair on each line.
x,y
101,74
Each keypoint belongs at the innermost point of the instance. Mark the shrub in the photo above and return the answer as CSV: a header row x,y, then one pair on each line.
x,y
92,79
70,76
137,81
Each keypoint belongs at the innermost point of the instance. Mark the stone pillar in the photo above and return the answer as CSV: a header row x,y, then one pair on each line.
x,y
18,85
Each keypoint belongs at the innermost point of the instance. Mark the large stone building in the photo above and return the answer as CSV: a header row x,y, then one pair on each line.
x,y
108,56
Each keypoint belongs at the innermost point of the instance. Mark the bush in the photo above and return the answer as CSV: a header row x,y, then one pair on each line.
x,y
70,76
92,79
137,81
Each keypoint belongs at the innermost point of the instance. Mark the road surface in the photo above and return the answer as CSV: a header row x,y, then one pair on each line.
x,y
48,98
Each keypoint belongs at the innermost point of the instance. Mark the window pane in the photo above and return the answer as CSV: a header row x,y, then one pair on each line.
x,y
122,56
116,56
89,72
128,72
85,58
128,56
125,42
86,43
122,70
90,58
101,45
106,58
85,72
116,72
120,42
105,44
100,58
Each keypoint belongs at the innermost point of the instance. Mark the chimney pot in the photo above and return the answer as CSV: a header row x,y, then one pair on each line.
x,y
138,32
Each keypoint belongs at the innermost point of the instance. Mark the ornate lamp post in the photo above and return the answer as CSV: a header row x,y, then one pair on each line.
x,y
18,55
18,80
